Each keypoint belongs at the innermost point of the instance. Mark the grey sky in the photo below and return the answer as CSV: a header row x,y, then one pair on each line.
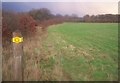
x,y
79,8
60,0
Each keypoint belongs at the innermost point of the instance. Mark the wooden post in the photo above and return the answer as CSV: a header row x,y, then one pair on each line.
x,y
18,58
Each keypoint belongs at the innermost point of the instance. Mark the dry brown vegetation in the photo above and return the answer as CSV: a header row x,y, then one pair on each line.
x,y
34,54
32,44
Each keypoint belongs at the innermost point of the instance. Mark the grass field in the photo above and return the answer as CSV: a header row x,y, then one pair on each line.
x,y
82,51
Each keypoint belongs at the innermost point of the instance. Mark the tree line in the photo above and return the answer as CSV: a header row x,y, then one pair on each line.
x,y
45,14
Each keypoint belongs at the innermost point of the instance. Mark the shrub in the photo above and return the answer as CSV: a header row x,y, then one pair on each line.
x,y
9,24
12,21
27,24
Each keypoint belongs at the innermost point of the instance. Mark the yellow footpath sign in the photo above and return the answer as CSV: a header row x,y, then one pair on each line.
x,y
17,39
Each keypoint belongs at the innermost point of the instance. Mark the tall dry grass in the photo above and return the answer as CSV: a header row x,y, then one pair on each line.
x,y
35,59
31,58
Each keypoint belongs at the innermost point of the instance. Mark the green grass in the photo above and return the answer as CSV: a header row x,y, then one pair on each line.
x,y
86,51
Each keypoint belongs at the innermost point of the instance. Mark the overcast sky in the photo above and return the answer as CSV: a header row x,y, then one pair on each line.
x,y
69,7
59,0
